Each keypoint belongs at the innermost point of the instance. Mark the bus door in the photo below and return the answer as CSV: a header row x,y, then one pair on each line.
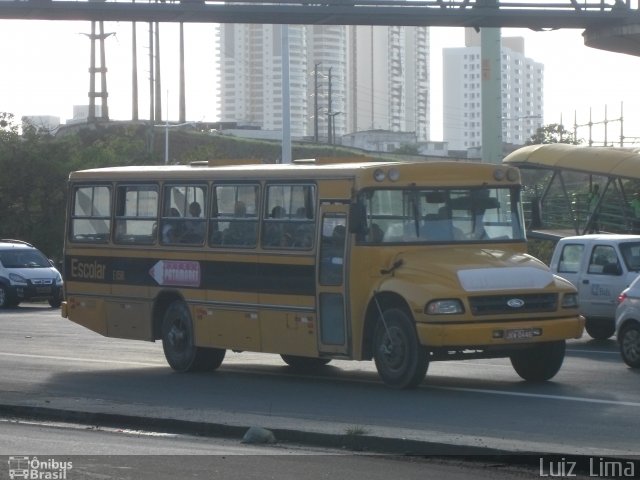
x,y
333,328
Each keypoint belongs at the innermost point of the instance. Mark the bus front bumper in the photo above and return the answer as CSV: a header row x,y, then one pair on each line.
x,y
476,334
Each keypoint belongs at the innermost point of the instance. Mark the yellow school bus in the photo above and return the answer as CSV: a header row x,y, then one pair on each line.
x,y
402,263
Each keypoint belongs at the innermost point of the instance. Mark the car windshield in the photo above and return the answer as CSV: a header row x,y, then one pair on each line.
x,y
455,215
23,259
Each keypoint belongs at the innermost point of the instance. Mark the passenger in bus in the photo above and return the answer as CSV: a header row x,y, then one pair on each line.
x,y
194,226
278,212
333,255
274,230
376,235
439,227
171,228
303,236
301,213
240,232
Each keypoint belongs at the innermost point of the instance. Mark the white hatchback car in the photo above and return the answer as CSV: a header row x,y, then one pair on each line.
x,y
628,324
26,274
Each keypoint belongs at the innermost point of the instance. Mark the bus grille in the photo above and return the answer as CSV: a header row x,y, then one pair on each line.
x,y
497,304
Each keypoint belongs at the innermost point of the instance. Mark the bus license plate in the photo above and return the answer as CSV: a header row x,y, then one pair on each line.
x,y
519,333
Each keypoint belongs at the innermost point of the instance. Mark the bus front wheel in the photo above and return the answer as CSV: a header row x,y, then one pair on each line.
x,y
540,362
400,359
178,342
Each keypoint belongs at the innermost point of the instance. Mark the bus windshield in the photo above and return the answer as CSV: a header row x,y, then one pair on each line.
x,y
455,215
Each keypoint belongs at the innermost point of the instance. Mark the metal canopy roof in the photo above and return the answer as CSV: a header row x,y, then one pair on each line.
x,y
607,161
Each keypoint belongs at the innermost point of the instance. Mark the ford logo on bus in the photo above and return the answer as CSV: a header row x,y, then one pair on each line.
x,y
515,303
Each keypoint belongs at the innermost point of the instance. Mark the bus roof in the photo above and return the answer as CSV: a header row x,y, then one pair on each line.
x,y
435,172
608,161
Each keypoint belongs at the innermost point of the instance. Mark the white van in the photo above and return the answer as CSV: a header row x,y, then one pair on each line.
x,y
26,274
600,266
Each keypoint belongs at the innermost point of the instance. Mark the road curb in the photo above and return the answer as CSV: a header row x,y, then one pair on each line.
x,y
356,442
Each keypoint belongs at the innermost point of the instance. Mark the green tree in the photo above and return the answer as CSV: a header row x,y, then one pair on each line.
x,y
553,133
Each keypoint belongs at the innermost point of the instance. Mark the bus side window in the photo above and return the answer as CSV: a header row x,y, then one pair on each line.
x,y
234,215
136,219
91,215
289,221
190,202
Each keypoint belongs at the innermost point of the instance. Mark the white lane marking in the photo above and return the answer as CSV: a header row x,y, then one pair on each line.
x,y
538,395
579,350
79,359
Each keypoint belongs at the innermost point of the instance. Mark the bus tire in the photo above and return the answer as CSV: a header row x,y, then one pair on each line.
x,y
178,342
540,362
304,363
400,359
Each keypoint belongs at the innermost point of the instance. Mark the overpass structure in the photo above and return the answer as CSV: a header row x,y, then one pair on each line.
x,y
612,25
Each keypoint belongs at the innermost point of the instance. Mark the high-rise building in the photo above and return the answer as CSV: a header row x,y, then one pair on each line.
x,y
388,79
342,79
522,93
250,84
326,63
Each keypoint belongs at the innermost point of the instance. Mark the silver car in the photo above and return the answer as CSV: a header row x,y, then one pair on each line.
x,y
27,275
628,324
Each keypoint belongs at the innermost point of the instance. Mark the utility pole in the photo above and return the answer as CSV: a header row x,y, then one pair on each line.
x,y
329,117
315,102
183,108
102,69
134,73
151,79
158,85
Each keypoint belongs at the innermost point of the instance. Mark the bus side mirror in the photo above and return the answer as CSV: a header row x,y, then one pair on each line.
x,y
357,218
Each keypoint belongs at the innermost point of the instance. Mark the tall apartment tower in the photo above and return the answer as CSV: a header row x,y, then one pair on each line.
x,y
342,79
326,82
250,84
388,79
522,93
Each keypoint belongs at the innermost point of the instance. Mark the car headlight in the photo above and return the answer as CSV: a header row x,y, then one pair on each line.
x,y
450,306
570,300
15,278
58,280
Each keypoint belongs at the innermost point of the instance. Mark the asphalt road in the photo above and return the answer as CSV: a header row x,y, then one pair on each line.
x,y
590,408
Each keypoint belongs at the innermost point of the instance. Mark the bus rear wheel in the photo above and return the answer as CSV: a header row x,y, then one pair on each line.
x,y
304,363
400,359
178,342
540,362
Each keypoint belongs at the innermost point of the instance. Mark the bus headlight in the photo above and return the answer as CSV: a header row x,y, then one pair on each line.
x,y
450,306
570,300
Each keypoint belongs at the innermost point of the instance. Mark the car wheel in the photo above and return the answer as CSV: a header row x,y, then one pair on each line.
x,y
55,302
540,362
400,359
599,330
5,301
629,341
304,363
178,342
